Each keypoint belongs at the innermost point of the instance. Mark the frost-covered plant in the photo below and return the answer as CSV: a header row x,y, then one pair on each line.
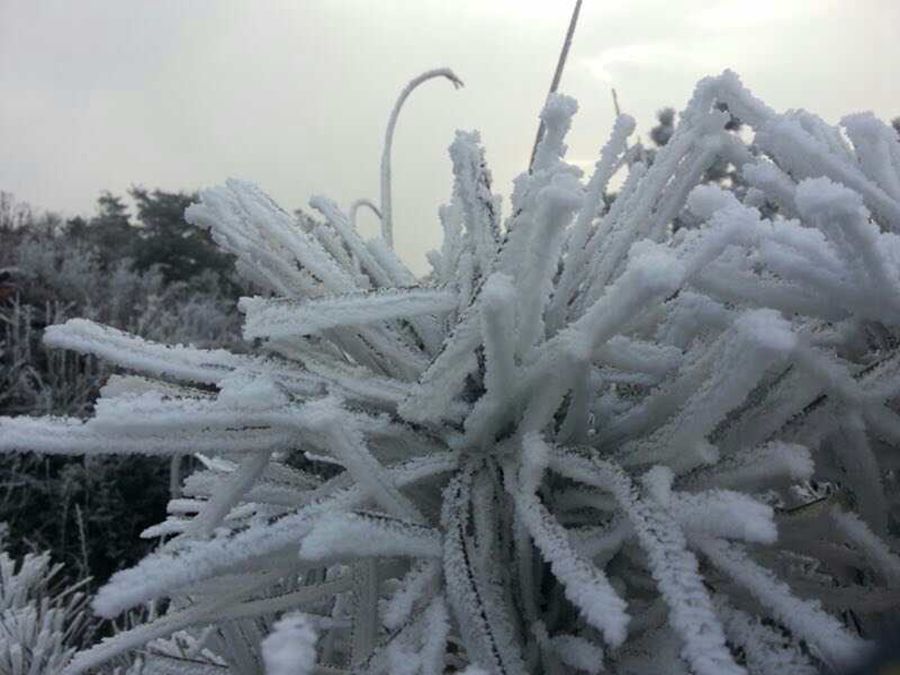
x,y
585,440
40,623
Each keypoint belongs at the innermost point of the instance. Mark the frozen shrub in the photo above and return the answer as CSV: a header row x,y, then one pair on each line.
x,y
586,440
40,623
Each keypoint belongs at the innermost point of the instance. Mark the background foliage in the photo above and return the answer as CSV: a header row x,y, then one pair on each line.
x,y
149,273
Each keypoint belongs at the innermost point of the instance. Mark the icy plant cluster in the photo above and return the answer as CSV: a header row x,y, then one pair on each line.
x,y
39,622
649,433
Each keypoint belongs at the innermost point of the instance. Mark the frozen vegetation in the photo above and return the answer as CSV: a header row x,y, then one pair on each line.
x,y
40,620
646,431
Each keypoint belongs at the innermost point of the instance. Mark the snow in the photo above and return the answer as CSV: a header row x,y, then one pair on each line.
x,y
704,200
251,394
338,535
278,318
290,648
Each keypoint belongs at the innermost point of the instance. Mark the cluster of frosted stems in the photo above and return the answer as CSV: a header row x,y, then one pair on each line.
x,y
654,433
39,619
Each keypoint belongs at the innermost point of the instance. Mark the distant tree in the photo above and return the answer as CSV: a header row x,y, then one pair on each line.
x,y
158,238
896,123
112,211
180,250
662,132
110,232
13,214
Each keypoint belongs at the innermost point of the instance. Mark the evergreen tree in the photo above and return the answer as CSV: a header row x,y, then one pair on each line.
x,y
181,251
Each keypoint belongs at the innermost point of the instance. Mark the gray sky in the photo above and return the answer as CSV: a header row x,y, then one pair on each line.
x,y
101,95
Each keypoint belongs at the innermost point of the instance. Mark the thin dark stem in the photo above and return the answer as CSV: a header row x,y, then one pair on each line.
x,y
616,102
557,76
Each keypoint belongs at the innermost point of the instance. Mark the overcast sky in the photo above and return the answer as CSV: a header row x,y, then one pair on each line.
x,y
101,95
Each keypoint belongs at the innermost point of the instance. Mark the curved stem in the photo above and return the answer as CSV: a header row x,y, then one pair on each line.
x,y
359,203
387,226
